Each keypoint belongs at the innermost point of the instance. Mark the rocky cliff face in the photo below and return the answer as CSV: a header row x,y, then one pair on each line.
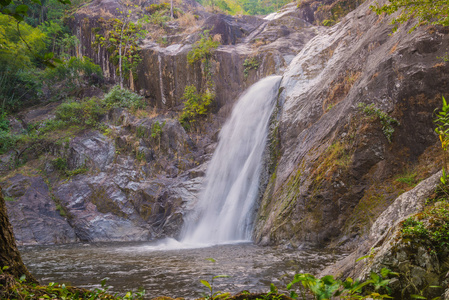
x,y
337,163
165,72
118,185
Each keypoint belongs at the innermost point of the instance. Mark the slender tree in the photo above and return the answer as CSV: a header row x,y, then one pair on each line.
x,y
122,41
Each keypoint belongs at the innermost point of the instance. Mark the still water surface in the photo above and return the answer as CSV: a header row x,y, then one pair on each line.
x,y
174,273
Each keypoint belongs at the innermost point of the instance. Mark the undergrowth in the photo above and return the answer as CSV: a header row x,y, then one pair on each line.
x,y
386,120
13,288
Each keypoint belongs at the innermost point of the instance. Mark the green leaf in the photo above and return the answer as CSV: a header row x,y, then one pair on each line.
x,y
363,257
417,297
206,283
221,276
22,9
23,277
211,260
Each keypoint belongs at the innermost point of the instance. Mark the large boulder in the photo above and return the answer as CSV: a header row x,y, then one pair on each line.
x,y
36,217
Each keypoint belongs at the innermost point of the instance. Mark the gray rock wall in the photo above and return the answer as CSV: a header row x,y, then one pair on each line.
x,y
334,162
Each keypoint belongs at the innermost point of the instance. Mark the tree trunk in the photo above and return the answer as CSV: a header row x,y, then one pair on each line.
x,y
9,254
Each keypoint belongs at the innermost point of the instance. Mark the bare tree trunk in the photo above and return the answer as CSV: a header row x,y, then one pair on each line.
x,y
171,9
9,254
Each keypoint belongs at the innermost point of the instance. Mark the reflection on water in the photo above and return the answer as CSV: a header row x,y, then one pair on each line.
x,y
175,273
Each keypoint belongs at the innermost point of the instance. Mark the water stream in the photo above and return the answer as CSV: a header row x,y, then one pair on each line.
x,y
174,273
225,208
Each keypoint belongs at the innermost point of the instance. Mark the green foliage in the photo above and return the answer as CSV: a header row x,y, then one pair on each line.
x,y
15,53
442,122
327,287
158,7
261,7
18,79
386,121
74,70
21,11
87,112
9,199
156,129
72,75
159,18
444,58
203,49
7,140
408,178
210,285
434,12
429,228
19,289
196,106
80,170
250,64
60,164
118,97
18,87
328,22
121,39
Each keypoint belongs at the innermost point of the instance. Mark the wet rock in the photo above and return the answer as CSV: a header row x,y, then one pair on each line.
x,y
15,126
35,216
100,211
93,150
230,28
331,156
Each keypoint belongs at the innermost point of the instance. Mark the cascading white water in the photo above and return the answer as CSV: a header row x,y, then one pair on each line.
x,y
225,207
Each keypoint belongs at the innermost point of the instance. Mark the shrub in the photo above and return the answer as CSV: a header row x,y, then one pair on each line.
x,y
429,228
7,140
83,113
250,64
124,98
18,87
60,164
156,131
202,49
195,106
73,74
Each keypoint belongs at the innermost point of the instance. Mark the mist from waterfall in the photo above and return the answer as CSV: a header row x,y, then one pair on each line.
x,y
225,209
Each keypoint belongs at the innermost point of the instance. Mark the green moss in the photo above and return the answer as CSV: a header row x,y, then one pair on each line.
x,y
334,159
104,204
409,178
9,199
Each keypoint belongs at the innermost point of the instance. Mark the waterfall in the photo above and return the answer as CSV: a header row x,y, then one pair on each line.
x,y
225,209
